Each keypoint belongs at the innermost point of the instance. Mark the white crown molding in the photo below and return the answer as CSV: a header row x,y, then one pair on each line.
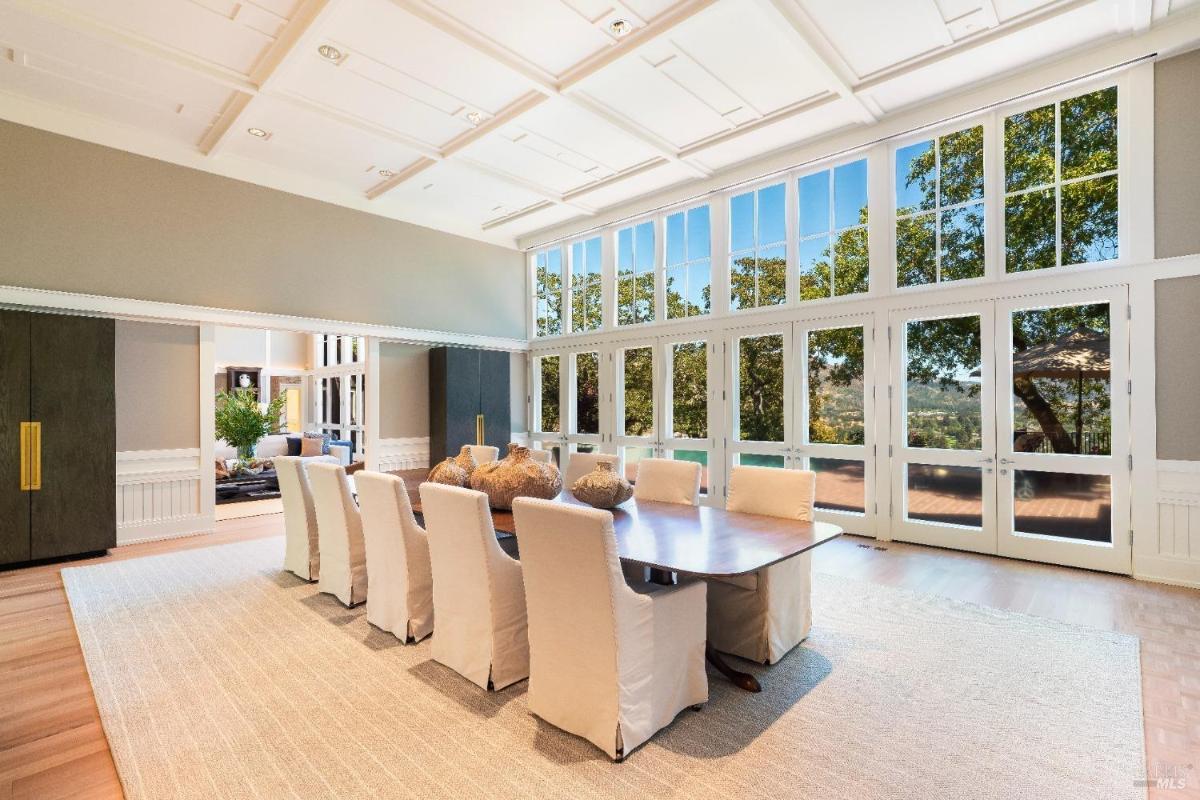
x,y
155,311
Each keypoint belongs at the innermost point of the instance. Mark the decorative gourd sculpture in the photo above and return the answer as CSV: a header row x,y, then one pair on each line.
x,y
450,473
603,487
516,475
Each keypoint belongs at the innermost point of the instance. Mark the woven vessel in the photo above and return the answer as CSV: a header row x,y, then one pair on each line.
x,y
450,473
466,460
603,487
516,475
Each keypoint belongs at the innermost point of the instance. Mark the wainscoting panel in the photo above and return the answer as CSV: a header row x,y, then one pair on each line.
x,y
404,453
158,495
1175,556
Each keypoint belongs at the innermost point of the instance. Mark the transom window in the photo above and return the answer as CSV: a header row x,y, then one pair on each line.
x,y
635,274
548,279
585,285
1060,183
833,232
689,263
939,209
758,248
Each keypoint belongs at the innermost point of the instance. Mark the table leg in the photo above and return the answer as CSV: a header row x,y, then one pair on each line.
x,y
742,680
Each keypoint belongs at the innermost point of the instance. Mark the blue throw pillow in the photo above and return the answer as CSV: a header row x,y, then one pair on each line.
x,y
293,445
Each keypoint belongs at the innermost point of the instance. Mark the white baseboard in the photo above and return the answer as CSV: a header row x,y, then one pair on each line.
x,y
1172,571
404,453
164,529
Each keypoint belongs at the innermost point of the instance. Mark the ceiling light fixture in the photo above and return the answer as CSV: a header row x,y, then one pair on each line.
x,y
257,132
619,27
386,173
330,52
474,117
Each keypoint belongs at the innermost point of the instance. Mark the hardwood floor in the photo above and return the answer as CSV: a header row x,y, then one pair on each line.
x,y
52,744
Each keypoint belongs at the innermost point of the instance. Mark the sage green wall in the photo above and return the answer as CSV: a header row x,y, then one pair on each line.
x,y
1177,155
1177,367
403,390
80,217
157,386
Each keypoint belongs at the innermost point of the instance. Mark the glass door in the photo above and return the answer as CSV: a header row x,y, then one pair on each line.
x,y
759,417
638,384
546,427
943,427
1063,435
691,373
834,401
583,403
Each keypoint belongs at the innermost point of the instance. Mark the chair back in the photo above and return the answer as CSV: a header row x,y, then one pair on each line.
x,y
398,571
583,463
339,531
574,592
483,453
666,480
302,553
774,492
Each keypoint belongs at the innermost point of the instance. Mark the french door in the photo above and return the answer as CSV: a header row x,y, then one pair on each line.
x,y
803,398
1010,428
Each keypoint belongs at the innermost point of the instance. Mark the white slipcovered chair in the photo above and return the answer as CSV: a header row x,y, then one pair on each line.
x,y
607,662
478,593
339,530
399,580
483,453
665,480
583,463
763,615
301,551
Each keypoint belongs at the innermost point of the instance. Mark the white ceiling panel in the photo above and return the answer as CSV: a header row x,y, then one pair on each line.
x,y
1011,9
801,127
561,37
651,180
1049,39
566,128
450,195
872,36
305,141
552,214
230,33
526,162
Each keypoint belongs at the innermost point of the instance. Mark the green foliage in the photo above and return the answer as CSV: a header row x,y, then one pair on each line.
x,y
639,391
689,390
240,419
587,392
549,393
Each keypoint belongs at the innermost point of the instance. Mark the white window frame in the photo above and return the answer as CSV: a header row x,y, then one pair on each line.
x,y
656,268
688,261
569,269
833,231
788,242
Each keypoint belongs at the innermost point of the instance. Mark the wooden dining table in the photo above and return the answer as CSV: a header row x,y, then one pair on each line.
x,y
689,541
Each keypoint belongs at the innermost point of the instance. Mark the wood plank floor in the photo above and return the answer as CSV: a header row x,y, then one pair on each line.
x,y
52,744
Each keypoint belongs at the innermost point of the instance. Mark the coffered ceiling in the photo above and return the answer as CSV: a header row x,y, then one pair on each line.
x,y
496,118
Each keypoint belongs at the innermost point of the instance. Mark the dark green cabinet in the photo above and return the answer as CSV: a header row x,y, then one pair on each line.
x,y
57,436
467,385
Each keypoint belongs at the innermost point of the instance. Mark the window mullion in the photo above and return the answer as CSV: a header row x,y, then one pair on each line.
x,y
1058,260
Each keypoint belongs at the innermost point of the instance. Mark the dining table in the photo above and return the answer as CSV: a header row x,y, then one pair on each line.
x,y
675,540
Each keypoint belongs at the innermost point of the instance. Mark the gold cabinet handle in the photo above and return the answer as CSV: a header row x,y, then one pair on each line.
x,y
31,456
35,455
479,430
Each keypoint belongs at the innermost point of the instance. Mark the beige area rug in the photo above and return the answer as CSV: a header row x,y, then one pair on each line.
x,y
248,508
219,675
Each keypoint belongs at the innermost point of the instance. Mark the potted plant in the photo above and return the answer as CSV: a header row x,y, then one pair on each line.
x,y
241,421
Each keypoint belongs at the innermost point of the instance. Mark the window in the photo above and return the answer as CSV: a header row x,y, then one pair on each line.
x,y
639,391
758,248
585,285
548,394
548,302
635,274
689,390
835,386
587,392
939,209
1060,183
689,274
833,232
760,392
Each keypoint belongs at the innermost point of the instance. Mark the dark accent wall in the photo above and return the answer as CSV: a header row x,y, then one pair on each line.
x,y
1177,155
80,217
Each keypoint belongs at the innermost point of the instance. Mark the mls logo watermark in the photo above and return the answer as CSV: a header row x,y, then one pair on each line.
x,y
1168,776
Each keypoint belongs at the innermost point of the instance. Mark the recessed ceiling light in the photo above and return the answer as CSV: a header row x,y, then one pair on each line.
x,y
330,52
386,173
474,117
619,27
258,132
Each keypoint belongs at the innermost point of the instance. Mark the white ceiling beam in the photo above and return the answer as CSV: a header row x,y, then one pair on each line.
x,y
516,215
265,72
837,74
415,168
542,191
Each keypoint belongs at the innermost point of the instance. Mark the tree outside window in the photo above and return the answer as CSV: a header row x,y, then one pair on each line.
x,y
688,263
1060,183
548,392
758,248
939,209
635,274
585,285
548,278
833,232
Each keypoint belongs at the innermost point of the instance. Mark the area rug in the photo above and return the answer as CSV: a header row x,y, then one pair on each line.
x,y
219,675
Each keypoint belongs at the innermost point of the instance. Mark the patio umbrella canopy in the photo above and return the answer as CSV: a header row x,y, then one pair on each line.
x,y
1082,353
